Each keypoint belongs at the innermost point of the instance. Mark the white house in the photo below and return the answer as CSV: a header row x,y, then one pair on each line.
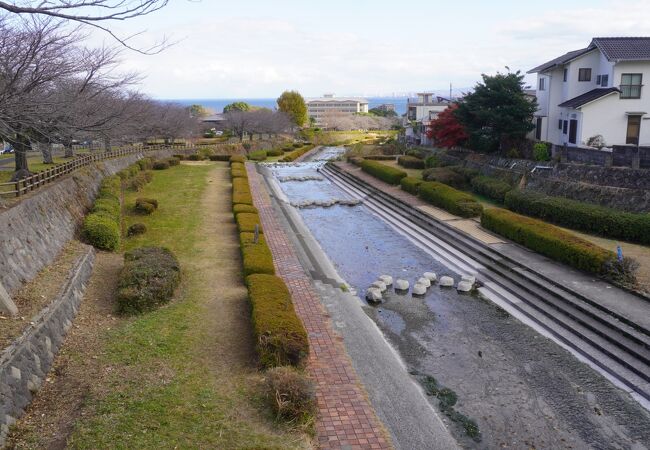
x,y
319,108
597,90
419,114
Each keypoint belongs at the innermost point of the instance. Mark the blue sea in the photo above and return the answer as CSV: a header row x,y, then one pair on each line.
x,y
217,104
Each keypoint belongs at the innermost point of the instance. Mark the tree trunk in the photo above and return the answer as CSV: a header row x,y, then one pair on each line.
x,y
21,146
69,153
46,150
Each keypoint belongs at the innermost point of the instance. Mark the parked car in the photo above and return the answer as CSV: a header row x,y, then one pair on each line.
x,y
7,149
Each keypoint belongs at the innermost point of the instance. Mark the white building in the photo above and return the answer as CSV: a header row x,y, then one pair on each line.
x,y
419,114
328,104
597,90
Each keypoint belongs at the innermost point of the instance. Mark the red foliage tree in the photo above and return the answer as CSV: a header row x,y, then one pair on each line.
x,y
446,130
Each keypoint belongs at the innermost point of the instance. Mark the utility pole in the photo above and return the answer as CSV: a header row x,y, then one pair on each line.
x,y
449,91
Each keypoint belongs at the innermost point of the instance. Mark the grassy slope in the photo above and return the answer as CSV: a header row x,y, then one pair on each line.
x,y
188,382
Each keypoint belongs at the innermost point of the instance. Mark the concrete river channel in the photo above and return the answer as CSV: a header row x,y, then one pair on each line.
x,y
494,381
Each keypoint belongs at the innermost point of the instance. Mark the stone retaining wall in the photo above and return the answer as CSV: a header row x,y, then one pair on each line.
x,y
37,227
26,362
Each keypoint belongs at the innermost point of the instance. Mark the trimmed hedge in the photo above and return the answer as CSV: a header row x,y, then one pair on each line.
x,y
410,162
257,155
173,161
138,181
148,279
492,188
257,258
247,222
219,157
385,173
136,229
160,165
101,228
280,336
145,163
236,209
243,197
297,153
195,157
101,231
238,173
411,184
450,199
275,152
145,205
548,240
237,158
582,216
445,175
237,166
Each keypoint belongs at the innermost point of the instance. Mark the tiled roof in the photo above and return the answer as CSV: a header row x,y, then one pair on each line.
x,y
559,60
623,48
587,97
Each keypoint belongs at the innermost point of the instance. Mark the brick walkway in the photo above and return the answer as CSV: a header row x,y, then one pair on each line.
x,y
346,420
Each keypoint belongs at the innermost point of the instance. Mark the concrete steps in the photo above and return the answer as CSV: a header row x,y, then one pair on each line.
x,y
617,345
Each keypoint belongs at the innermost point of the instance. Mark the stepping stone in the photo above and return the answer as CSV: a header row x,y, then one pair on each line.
x,y
387,279
425,281
464,286
446,281
373,295
401,285
419,289
431,276
379,285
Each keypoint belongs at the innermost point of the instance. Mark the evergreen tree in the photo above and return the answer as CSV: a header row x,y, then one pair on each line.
x,y
293,104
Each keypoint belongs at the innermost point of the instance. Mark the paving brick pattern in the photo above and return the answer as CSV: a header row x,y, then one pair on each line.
x,y
346,420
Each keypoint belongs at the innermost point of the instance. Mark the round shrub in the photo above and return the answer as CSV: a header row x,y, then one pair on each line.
x,y
153,201
275,152
195,157
173,161
101,231
161,165
147,280
291,393
446,176
136,229
145,163
139,181
179,157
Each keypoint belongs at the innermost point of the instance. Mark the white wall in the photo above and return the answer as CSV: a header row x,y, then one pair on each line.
x,y
588,60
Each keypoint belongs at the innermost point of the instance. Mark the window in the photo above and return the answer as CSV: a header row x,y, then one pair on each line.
x,y
542,83
566,74
604,80
565,126
538,128
559,124
598,77
633,128
584,74
631,85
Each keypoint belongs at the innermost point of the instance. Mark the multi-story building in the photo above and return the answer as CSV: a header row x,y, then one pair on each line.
x,y
318,108
596,91
419,114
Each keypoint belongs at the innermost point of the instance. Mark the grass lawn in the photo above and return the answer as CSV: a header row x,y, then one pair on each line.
x,y
183,376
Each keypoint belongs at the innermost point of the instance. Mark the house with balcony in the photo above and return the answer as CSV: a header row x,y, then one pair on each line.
x,y
419,114
596,91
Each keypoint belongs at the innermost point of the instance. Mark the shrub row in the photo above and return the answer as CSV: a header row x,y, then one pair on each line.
x,y
445,175
237,158
450,199
219,157
381,157
492,188
101,228
241,193
582,216
548,240
257,155
385,173
410,162
280,335
411,184
145,205
296,153
147,280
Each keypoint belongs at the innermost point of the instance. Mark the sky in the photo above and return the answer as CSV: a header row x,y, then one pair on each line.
x,y
259,48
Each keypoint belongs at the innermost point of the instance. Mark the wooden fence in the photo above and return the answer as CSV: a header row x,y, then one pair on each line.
x,y
35,181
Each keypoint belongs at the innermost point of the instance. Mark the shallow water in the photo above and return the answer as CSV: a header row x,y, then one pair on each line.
x,y
523,390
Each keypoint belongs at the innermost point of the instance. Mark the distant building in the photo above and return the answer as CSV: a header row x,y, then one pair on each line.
x,y
596,90
385,107
320,107
419,114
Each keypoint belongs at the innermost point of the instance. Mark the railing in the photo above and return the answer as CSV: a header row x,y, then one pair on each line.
x,y
30,183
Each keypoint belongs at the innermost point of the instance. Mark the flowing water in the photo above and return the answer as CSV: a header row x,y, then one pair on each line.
x,y
481,366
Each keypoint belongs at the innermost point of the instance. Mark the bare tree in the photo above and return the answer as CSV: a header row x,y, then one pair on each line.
x,y
94,13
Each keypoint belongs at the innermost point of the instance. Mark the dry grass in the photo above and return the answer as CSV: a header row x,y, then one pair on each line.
x,y
39,292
